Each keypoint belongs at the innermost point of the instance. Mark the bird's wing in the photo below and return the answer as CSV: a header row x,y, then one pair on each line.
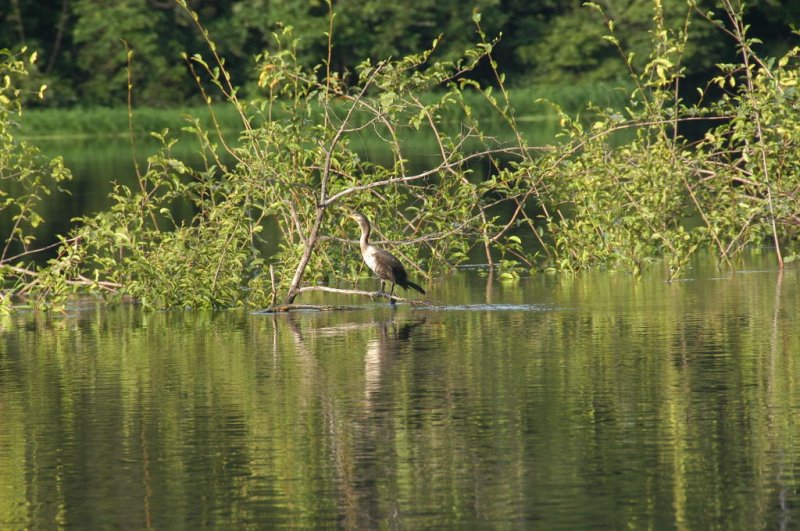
x,y
388,266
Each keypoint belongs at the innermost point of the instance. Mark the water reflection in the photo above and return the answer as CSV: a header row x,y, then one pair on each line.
x,y
392,338
562,403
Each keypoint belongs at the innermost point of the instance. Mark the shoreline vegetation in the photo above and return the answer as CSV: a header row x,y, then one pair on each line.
x,y
90,122
718,172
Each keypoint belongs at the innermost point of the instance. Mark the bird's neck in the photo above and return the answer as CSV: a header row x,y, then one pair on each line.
x,y
364,238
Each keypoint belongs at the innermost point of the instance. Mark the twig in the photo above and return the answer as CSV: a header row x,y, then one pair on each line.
x,y
38,250
83,281
415,177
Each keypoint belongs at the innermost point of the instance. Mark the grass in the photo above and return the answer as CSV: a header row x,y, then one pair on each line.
x,y
113,122
110,122
529,105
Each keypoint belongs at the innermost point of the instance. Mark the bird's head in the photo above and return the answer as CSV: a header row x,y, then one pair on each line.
x,y
359,217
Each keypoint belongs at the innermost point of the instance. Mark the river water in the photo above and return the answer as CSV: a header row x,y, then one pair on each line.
x,y
554,402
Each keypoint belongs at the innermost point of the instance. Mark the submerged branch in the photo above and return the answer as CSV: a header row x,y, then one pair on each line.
x,y
370,294
285,308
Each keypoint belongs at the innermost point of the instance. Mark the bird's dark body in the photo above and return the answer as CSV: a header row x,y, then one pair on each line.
x,y
388,267
383,263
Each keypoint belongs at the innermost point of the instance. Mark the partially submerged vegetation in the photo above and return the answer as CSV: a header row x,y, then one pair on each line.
x,y
722,173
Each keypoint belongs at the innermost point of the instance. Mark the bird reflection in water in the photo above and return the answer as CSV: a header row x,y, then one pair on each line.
x,y
392,338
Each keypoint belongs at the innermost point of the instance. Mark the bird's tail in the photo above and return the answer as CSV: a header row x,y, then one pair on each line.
x,y
410,284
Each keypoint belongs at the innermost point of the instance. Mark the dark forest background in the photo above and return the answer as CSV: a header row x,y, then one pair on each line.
x,y
81,44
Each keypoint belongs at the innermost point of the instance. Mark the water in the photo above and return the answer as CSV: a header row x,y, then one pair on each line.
x,y
97,164
557,402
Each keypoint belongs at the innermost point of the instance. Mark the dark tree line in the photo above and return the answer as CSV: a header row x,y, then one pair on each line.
x,y
83,56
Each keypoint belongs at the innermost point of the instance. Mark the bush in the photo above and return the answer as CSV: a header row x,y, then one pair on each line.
x,y
619,189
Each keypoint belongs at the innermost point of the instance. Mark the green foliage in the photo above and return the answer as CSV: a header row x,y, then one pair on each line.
x,y
622,187
757,151
622,204
105,30
25,177
577,47
297,164
138,246
544,42
310,171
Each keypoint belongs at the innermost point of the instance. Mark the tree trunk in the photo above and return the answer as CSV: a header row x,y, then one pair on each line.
x,y
62,24
310,243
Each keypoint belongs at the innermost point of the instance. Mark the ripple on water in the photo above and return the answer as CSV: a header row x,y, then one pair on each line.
x,y
491,308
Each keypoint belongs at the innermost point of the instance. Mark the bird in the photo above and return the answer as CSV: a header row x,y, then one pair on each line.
x,y
382,262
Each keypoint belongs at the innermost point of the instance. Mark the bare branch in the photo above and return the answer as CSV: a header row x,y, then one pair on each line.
x,y
370,294
82,281
416,177
39,250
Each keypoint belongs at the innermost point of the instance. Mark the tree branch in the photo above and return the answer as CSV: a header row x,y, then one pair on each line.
x,y
370,294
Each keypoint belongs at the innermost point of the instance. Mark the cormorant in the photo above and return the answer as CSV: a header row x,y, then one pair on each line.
x,y
382,262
